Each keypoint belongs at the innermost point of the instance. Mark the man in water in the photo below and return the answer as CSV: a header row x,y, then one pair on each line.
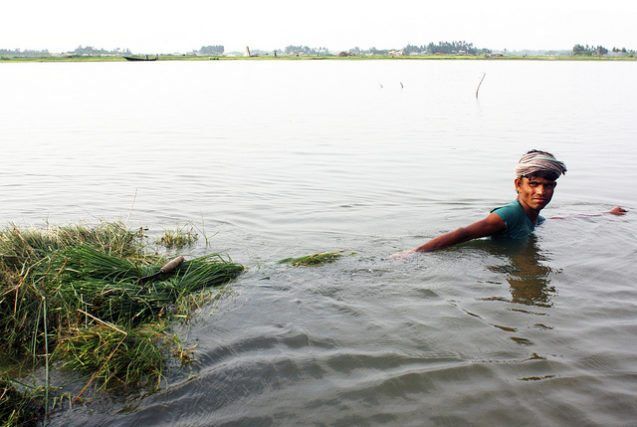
x,y
536,176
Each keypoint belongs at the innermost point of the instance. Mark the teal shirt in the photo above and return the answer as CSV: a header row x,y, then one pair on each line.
x,y
518,224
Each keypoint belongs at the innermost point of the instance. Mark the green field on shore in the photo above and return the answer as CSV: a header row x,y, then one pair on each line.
x,y
314,58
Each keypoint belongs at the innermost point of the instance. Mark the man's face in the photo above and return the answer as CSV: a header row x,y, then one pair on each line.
x,y
535,192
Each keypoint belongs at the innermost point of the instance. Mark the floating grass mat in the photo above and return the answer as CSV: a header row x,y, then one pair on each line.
x,y
313,259
97,300
179,238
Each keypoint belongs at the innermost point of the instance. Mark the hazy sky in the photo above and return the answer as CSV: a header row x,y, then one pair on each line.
x,y
149,26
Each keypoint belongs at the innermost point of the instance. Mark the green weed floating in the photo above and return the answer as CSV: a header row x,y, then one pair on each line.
x,y
100,318
313,259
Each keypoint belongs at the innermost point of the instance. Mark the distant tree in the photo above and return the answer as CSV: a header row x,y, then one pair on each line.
x,y
578,49
374,51
17,53
212,50
455,48
305,50
91,51
601,50
410,48
88,51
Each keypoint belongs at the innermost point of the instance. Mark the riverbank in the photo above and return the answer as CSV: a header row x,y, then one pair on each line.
x,y
322,58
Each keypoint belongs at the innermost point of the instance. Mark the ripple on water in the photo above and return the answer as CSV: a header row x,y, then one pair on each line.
x,y
482,334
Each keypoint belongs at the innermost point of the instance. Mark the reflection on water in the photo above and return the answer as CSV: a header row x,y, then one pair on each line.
x,y
526,269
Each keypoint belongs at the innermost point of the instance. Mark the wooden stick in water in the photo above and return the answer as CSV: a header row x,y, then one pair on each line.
x,y
478,88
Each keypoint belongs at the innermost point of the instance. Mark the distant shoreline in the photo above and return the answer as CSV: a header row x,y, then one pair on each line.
x,y
321,58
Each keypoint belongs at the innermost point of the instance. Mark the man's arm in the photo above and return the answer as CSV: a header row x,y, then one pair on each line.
x,y
617,210
485,227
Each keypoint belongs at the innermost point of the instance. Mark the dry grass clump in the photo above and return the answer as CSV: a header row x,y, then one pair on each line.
x,y
313,259
76,292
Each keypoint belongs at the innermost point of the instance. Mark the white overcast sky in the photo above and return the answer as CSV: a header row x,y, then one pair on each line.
x,y
167,26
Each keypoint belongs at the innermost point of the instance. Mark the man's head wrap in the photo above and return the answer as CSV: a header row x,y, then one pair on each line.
x,y
540,163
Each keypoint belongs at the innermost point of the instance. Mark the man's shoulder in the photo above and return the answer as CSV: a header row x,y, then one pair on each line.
x,y
512,208
512,214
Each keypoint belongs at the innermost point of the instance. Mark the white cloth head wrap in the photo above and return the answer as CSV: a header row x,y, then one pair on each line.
x,y
539,161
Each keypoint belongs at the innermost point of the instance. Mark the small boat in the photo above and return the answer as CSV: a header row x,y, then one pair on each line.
x,y
141,58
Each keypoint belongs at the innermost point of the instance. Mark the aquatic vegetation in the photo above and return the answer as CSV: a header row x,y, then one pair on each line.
x,y
20,246
179,238
97,301
19,407
313,259
115,357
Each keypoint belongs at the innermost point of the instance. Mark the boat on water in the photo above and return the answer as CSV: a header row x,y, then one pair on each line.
x,y
142,58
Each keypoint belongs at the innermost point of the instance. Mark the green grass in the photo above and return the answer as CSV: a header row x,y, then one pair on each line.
x,y
116,358
75,293
178,238
312,260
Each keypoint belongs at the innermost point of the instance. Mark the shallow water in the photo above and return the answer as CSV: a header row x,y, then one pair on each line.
x,y
279,159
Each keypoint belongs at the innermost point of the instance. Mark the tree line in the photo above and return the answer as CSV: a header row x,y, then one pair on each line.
x,y
441,47
92,51
586,50
305,50
79,51
217,49
448,48
24,53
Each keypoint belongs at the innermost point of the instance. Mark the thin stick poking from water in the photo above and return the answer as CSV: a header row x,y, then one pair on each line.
x,y
46,362
478,88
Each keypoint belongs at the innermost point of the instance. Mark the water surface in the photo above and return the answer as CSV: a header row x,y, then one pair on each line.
x,y
279,159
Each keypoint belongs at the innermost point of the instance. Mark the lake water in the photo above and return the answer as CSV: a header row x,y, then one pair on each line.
x,y
280,159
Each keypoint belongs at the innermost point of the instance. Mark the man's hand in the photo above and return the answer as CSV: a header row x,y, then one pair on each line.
x,y
402,255
618,210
